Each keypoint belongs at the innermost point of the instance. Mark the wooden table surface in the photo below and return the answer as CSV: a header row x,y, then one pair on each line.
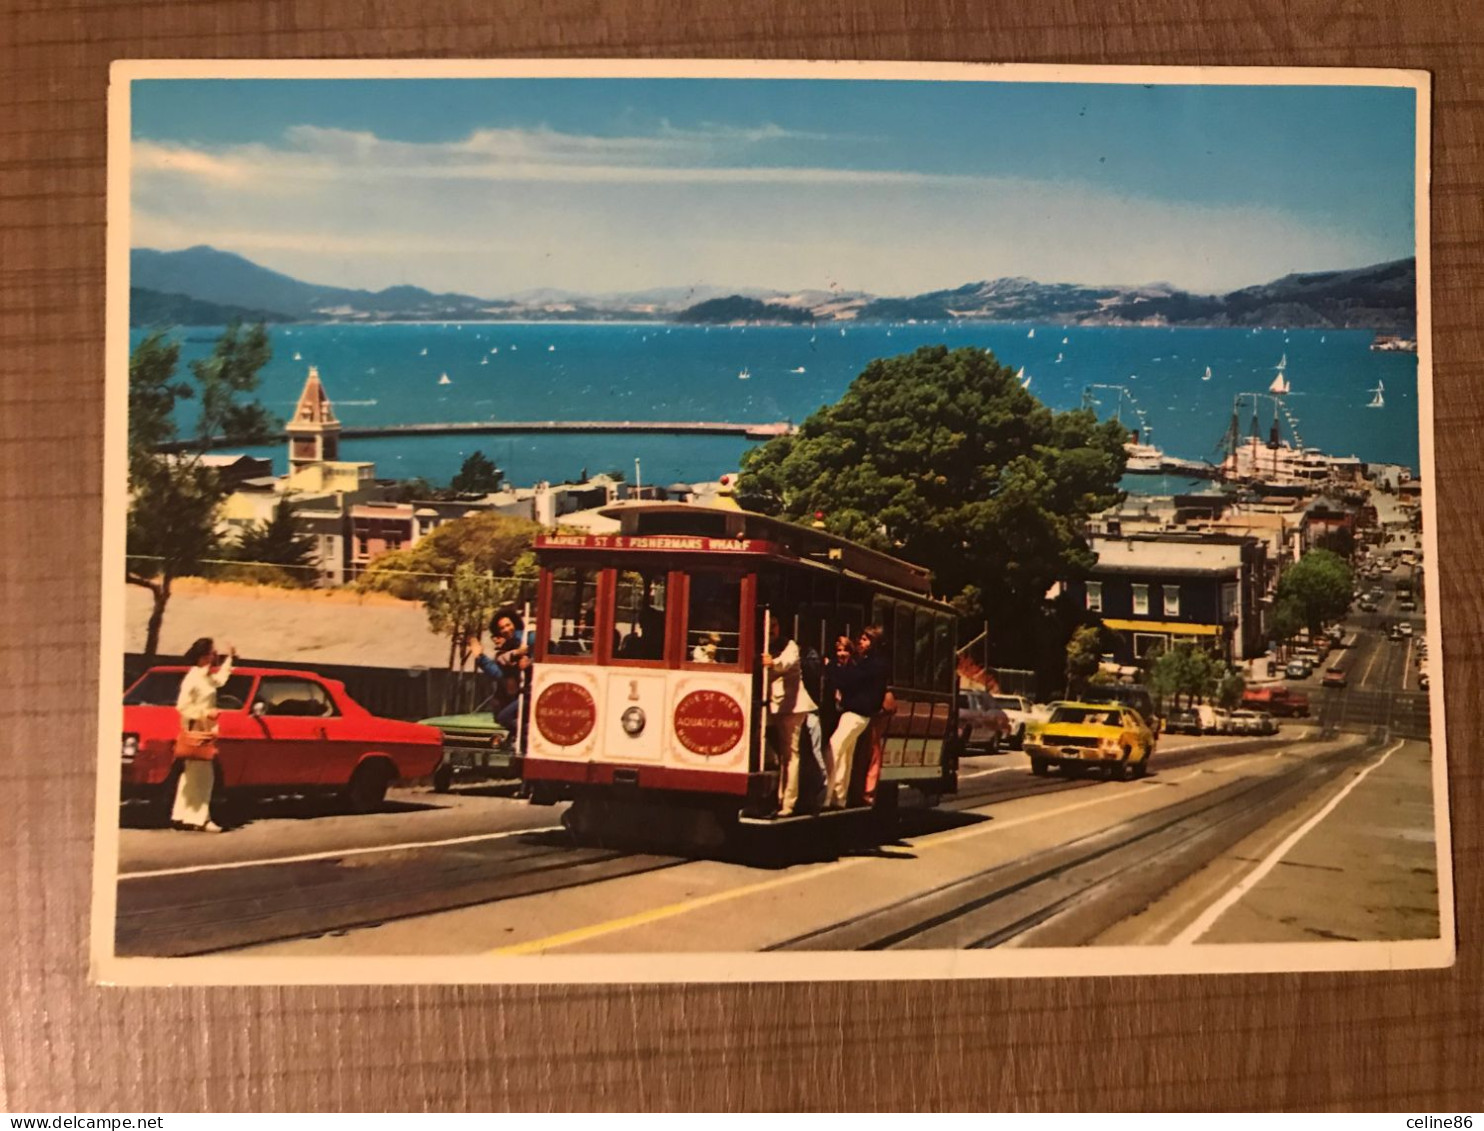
x,y
1405,1041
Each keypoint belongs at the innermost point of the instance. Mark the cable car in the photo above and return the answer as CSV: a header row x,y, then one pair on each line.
x,y
648,699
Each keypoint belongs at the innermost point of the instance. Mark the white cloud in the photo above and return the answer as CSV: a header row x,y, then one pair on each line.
x,y
502,211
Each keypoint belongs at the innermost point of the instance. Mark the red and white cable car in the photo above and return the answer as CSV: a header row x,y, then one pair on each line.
x,y
647,692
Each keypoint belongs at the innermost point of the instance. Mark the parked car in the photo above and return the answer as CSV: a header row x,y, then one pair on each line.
x,y
1247,723
475,748
1368,605
1020,711
279,730
1084,736
1298,669
983,726
1405,628
1335,677
1276,700
1423,682
1183,721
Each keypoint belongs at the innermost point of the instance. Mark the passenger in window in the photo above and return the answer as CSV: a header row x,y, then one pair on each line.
x,y
196,746
651,630
789,705
861,689
705,651
508,671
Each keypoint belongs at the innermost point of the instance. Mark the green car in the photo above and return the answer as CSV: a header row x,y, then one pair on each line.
x,y
474,748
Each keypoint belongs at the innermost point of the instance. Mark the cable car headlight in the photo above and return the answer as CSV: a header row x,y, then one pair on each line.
x,y
633,721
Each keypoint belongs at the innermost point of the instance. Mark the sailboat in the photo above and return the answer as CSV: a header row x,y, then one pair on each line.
x,y
298,356
1280,384
1032,334
425,352
1058,359
484,361
1064,341
1207,375
743,374
551,349
444,380
797,369
1025,382
1378,396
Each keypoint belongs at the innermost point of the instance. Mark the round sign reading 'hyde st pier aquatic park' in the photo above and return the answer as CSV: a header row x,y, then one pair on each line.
x,y
708,723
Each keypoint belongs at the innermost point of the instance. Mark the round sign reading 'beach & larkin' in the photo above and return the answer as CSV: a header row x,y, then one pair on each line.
x,y
565,714
708,723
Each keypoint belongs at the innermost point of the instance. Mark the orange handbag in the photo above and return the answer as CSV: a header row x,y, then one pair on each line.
x,y
198,744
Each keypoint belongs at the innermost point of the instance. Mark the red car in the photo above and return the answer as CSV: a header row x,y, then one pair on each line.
x,y
1335,677
278,730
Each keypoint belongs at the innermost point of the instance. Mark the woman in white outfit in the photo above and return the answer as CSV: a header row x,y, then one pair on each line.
x,y
196,746
790,706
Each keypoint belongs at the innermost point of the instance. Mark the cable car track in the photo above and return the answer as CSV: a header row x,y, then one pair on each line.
x,y
194,914
1126,867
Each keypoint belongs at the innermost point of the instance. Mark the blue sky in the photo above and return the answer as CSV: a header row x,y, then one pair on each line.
x,y
497,186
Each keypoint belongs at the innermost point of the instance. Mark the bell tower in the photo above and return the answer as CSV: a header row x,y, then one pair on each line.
x,y
314,433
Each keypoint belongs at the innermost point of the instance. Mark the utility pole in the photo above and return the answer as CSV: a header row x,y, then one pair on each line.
x,y
638,479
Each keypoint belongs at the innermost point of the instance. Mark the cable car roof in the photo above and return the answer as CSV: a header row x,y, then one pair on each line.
x,y
667,527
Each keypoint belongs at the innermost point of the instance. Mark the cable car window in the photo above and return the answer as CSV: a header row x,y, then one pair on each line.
x,y
899,644
574,598
943,653
922,667
641,614
712,626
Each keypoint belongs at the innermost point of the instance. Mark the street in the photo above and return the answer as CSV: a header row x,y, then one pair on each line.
x,y
1323,831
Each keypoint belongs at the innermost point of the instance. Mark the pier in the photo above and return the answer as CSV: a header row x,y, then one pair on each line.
x,y
555,427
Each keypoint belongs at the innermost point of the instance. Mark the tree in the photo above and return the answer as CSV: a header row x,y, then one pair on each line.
x,y
1319,586
1189,671
942,458
462,608
1230,684
1287,620
1084,653
174,497
477,476
279,542
494,544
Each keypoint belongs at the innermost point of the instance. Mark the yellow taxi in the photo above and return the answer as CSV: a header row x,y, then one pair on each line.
x,y
1082,736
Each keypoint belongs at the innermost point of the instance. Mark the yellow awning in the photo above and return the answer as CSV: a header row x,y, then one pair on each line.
x,y
1175,628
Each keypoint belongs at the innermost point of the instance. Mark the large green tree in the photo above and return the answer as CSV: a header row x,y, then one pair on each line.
x,y
1319,587
174,497
943,458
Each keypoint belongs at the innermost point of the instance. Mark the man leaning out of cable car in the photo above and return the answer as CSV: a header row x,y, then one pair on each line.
x,y
789,706
862,690
507,671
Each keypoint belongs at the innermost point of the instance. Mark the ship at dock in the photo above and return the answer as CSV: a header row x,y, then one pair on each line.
x,y
1144,457
1276,455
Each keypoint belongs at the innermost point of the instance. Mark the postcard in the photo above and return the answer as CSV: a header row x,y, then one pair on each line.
x,y
593,521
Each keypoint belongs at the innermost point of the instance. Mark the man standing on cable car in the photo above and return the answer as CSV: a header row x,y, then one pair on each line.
x,y
790,706
861,686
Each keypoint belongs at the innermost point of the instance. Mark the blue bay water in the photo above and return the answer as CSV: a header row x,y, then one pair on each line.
x,y
380,374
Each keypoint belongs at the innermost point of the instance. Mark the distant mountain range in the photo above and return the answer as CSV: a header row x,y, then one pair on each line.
x,y
204,286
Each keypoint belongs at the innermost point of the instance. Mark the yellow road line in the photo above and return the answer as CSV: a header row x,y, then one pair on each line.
x,y
655,914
